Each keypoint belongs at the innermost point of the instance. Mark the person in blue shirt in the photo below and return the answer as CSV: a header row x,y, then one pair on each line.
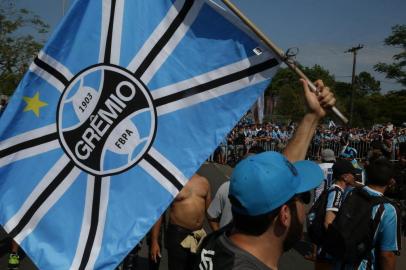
x,y
386,241
344,179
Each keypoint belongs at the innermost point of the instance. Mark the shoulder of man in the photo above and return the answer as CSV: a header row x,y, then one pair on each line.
x,y
334,198
334,188
213,254
201,179
218,253
389,229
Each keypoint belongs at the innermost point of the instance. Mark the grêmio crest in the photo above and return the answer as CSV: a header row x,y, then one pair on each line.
x,y
106,120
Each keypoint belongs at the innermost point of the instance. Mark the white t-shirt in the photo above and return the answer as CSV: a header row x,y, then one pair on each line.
x,y
220,207
327,169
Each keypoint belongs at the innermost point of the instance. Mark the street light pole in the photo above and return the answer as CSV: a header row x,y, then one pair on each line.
x,y
353,50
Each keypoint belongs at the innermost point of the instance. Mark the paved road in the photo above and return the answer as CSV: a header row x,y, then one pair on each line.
x,y
216,174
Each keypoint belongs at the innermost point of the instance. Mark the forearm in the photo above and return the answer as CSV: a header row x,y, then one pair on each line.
x,y
155,230
214,225
387,260
330,216
298,145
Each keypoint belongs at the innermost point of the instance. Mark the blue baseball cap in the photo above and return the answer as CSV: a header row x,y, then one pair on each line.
x,y
263,182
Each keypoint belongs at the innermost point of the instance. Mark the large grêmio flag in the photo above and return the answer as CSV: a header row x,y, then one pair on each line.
x,y
116,113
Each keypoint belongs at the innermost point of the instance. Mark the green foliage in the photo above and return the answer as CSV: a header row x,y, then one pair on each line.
x,y
365,84
288,91
318,72
396,70
18,46
370,106
393,107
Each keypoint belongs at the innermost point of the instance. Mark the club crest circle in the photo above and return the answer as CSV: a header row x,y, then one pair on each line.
x,y
106,120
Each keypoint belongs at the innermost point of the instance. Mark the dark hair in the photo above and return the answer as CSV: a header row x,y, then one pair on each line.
x,y
256,149
257,225
379,172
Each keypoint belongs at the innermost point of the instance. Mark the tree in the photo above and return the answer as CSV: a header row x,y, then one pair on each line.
x,y
17,45
392,107
366,84
342,90
370,106
288,92
396,70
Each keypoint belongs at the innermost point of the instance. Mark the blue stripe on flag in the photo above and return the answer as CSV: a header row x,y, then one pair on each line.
x,y
83,22
69,210
143,28
23,181
218,48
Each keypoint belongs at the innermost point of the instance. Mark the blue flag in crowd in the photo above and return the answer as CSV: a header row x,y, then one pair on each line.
x,y
116,113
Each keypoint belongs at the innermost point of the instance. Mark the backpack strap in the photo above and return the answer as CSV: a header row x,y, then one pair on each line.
x,y
397,207
375,224
399,227
377,218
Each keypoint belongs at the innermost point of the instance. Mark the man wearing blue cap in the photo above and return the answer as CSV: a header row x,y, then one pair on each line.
x,y
350,153
267,193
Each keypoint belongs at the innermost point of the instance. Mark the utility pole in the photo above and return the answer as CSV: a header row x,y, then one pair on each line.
x,y
353,50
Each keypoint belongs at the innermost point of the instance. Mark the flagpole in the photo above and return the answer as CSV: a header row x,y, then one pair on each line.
x,y
293,65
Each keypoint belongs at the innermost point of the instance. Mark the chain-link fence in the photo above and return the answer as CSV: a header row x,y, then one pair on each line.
x,y
315,148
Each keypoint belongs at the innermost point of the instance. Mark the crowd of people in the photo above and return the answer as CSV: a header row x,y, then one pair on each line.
x,y
354,220
274,137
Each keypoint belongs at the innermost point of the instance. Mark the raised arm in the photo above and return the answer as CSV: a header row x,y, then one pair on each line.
x,y
317,106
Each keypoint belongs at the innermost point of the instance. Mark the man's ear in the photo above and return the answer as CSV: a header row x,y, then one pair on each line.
x,y
348,179
343,177
284,215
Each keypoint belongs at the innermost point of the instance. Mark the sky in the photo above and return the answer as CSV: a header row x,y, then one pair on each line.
x,y
322,30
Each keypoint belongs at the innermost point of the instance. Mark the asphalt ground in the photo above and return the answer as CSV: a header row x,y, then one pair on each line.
x,y
216,174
